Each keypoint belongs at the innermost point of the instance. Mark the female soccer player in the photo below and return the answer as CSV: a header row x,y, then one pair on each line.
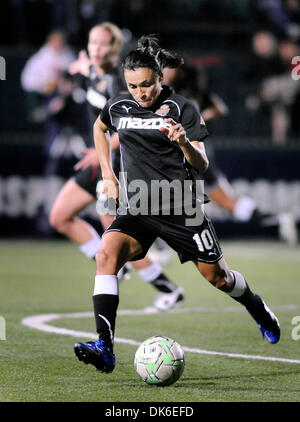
x,y
161,136
103,81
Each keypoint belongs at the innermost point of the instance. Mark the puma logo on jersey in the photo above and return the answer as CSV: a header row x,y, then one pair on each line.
x,y
126,108
138,123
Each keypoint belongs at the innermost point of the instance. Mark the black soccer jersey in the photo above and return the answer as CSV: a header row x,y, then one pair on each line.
x,y
147,154
102,87
99,88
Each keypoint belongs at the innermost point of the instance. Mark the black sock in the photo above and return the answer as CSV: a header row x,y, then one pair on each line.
x,y
105,310
249,299
263,219
160,244
163,284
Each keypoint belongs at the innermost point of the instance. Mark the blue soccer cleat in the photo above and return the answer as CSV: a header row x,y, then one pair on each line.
x,y
266,321
97,354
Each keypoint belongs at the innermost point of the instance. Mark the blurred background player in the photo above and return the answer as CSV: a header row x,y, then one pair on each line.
x,y
103,81
69,135
272,91
41,71
184,80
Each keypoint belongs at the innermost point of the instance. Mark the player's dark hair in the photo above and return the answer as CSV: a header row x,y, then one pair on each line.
x,y
149,54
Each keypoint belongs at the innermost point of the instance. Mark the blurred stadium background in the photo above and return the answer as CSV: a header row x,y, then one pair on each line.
x,y
259,153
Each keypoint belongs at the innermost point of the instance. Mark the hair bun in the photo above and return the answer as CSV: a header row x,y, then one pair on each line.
x,y
149,54
149,42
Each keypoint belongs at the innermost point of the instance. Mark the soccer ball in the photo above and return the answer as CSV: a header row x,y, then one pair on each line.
x,y
159,361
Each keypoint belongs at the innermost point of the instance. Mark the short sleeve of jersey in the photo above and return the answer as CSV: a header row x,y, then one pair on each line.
x,y
193,123
105,116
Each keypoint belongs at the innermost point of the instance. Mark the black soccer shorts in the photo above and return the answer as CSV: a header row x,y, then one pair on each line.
x,y
88,178
192,243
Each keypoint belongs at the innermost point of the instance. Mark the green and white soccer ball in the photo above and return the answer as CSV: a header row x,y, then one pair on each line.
x,y
159,361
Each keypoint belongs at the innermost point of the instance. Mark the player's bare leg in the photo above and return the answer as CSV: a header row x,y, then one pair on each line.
x,y
234,284
221,198
169,294
64,217
245,209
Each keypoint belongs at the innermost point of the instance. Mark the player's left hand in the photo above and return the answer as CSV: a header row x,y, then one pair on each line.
x,y
90,159
175,132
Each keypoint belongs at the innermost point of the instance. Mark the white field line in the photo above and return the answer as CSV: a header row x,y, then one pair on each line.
x,y
40,322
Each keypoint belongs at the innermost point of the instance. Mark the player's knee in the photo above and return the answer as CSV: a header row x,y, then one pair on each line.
x,y
218,278
219,282
106,262
57,221
53,219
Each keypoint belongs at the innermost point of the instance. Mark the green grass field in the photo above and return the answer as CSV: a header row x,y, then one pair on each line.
x,y
52,277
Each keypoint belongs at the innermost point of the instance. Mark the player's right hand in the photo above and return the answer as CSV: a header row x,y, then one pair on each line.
x,y
110,187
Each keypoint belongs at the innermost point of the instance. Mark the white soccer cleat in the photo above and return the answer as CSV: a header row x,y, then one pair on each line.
x,y
166,301
125,272
287,229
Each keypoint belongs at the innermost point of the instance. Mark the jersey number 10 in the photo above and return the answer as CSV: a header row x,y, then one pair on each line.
x,y
204,241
